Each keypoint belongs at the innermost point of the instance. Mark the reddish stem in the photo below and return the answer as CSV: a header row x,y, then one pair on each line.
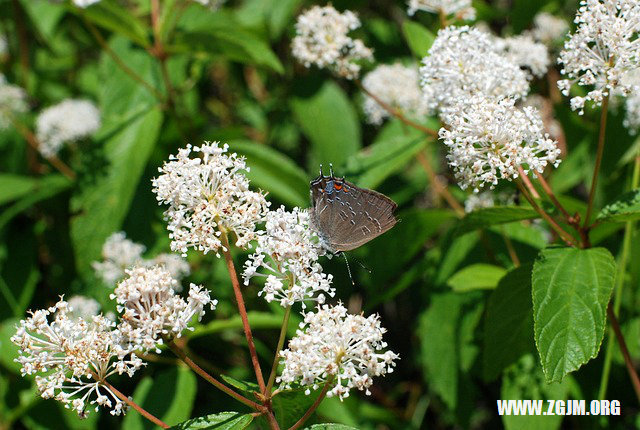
x,y
625,351
313,407
157,421
599,153
440,189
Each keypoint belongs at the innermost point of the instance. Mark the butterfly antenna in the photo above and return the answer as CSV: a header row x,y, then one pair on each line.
x,y
331,169
348,269
321,170
362,265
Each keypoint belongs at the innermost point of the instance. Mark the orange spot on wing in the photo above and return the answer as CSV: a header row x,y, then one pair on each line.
x,y
337,186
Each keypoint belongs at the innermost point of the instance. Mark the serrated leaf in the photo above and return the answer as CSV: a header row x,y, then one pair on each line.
x,y
274,172
330,122
476,277
508,322
571,289
392,149
486,217
221,421
169,395
418,37
110,15
103,205
626,208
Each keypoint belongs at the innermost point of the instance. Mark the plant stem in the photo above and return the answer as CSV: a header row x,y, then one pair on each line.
x,y
510,249
157,421
440,189
635,381
210,379
283,335
600,151
547,189
23,43
395,112
313,407
528,183
33,142
566,237
128,70
617,292
242,310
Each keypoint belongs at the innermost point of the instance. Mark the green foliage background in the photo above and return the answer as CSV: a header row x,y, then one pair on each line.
x,y
457,311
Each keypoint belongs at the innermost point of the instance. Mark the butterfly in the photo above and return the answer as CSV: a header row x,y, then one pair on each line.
x,y
345,216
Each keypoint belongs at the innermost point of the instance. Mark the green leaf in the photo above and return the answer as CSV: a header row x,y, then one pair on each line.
x,y
486,217
476,277
12,187
8,350
244,386
571,289
259,320
330,426
574,169
290,405
508,322
457,250
626,208
169,395
109,15
45,16
274,172
418,37
221,421
103,206
393,148
330,122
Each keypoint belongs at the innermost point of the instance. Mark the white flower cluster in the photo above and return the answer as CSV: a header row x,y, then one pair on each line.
x,y
524,51
464,61
208,196
84,3
335,347
548,28
120,253
462,9
66,122
83,307
74,356
604,47
322,39
151,309
489,139
398,86
288,250
478,201
13,100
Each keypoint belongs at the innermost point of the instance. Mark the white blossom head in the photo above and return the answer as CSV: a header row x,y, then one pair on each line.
x,y
465,61
288,251
488,139
461,9
118,254
66,122
208,196
322,40
338,348
548,28
83,307
74,357
478,201
151,310
398,86
524,51
175,264
602,50
13,101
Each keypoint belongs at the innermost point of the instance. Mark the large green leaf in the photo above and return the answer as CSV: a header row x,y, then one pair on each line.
x,y
508,322
476,277
169,395
626,208
257,319
486,217
45,16
393,148
8,350
103,205
221,421
274,172
13,187
290,405
418,37
330,122
571,289
110,15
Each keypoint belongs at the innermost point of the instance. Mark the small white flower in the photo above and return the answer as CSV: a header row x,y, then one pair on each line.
x,y
176,265
489,139
460,8
322,40
478,201
118,254
526,53
66,122
150,309
74,356
398,86
334,345
83,307
206,196
288,250
465,61
211,4
548,28
604,47
13,101
84,3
